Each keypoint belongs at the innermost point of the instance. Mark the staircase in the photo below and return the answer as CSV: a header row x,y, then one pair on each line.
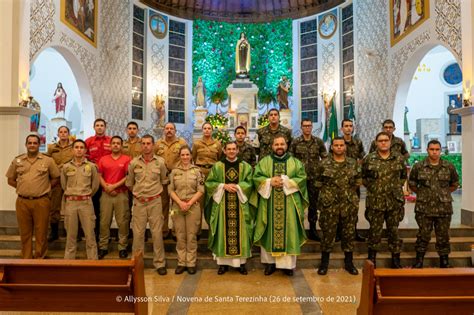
x,y
461,240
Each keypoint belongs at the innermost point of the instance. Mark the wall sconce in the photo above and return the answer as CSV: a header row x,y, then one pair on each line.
x,y
467,97
24,97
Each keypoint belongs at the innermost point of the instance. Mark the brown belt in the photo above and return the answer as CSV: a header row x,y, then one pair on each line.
x,y
78,198
147,199
33,198
204,165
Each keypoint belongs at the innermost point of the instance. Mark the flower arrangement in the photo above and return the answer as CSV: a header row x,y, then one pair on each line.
x,y
222,135
217,120
263,120
218,97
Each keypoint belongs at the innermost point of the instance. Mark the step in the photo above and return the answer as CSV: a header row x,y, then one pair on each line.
x,y
305,260
457,244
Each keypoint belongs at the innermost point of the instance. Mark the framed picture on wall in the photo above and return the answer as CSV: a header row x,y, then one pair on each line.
x,y
406,16
81,17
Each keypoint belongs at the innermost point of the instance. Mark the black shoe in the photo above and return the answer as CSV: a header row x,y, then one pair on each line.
x,y
123,253
180,269
102,252
243,270
372,257
359,238
313,235
162,271
269,269
54,232
349,265
323,267
191,270
419,260
396,261
222,269
288,272
444,262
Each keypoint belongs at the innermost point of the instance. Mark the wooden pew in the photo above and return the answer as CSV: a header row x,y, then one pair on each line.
x,y
416,291
56,285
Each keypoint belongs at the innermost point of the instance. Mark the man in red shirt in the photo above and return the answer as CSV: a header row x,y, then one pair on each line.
x,y
112,171
97,147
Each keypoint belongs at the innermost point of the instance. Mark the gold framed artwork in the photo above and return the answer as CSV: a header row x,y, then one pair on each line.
x,y
406,16
158,25
81,17
327,25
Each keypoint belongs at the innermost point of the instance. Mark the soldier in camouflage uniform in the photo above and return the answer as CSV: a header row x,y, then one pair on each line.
x,y
267,133
383,174
338,178
397,145
433,180
246,150
310,150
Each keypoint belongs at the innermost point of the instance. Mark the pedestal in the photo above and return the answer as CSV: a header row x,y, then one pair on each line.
x,y
467,201
15,122
199,118
285,118
242,92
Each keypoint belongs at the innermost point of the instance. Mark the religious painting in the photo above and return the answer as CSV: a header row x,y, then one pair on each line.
x,y
158,25
406,16
81,17
327,25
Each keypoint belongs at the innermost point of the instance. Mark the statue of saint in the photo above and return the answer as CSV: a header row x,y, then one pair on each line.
x,y
282,93
200,94
159,104
242,57
60,100
453,118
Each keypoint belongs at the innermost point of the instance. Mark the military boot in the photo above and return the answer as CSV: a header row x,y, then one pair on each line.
x,y
419,260
348,264
313,235
396,261
54,232
323,267
444,261
372,257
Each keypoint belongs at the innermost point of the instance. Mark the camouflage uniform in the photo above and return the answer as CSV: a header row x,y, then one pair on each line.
x,y
265,139
433,202
384,179
338,201
397,145
355,149
310,153
247,153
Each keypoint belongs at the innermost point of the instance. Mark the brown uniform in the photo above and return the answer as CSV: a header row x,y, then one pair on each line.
x,y
169,151
80,183
145,180
205,154
33,179
132,149
60,155
186,183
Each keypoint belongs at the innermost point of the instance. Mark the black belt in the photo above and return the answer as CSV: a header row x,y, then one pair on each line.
x,y
205,165
32,198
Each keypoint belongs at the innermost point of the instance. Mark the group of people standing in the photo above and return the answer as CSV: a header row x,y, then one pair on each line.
x,y
244,202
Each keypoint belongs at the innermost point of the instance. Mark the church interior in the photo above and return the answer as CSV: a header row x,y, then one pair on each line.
x,y
228,63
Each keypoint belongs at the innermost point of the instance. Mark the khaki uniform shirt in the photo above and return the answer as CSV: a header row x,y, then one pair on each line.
x,y
146,179
33,178
79,180
186,182
169,151
60,155
206,153
132,149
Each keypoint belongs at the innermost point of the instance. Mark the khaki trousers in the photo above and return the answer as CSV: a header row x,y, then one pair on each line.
x,y
108,205
33,215
186,228
56,200
83,211
150,212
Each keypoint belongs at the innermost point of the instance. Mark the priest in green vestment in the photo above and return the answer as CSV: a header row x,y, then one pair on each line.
x,y
280,181
228,211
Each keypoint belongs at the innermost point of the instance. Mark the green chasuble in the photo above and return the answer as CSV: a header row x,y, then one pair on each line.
x,y
279,225
230,221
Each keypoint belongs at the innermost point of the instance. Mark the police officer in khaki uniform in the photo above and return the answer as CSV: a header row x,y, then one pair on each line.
x,y
186,188
33,174
146,175
433,180
80,182
132,147
168,148
61,152
206,151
